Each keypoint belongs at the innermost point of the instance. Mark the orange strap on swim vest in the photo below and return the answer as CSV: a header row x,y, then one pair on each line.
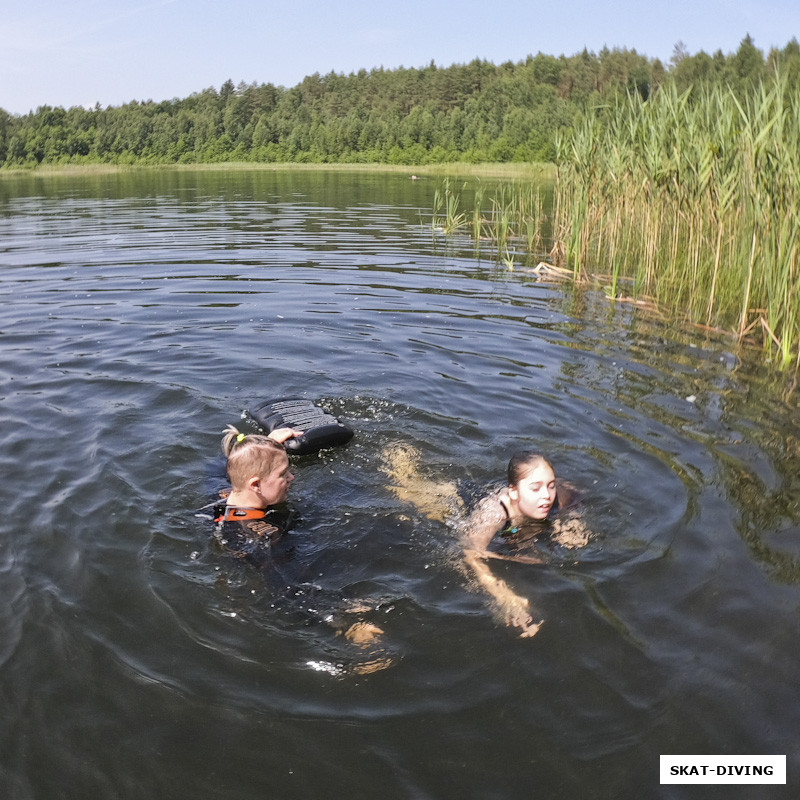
x,y
235,514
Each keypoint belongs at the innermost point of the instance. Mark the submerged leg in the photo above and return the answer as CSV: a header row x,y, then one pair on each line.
x,y
435,500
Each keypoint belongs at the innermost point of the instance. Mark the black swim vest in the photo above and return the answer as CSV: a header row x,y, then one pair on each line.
x,y
250,533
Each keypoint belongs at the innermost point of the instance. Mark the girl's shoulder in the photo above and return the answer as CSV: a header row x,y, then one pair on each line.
x,y
494,502
488,515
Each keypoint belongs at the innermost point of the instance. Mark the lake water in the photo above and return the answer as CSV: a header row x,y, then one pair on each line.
x,y
143,312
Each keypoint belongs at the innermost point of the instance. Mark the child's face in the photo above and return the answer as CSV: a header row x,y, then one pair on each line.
x,y
274,487
536,492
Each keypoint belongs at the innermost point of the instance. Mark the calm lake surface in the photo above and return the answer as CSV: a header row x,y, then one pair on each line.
x,y
144,312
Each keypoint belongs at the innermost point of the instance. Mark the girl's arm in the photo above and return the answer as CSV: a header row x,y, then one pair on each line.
x,y
481,525
478,531
513,607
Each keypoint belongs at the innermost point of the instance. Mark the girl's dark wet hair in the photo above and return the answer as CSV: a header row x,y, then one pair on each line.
x,y
522,462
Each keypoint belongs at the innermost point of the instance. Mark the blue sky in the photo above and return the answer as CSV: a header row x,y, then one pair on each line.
x,y
82,52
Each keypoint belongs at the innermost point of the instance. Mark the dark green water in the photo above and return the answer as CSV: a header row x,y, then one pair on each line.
x,y
142,313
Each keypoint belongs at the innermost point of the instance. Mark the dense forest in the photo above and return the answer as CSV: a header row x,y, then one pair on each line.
x,y
473,112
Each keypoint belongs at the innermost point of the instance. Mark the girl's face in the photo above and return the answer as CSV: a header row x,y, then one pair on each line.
x,y
535,494
274,487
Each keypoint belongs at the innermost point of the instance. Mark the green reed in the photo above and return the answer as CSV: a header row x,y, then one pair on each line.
x,y
477,215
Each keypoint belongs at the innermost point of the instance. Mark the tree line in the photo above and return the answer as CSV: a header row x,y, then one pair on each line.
x,y
475,112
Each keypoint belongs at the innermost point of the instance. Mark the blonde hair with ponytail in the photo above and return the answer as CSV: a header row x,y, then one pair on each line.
x,y
248,454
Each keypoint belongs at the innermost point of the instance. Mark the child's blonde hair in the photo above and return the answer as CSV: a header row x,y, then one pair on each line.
x,y
248,454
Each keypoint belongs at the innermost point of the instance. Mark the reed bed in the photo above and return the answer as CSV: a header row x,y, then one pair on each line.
x,y
695,197
690,200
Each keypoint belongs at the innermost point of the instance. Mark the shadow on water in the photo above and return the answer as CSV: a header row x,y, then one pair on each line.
x,y
143,313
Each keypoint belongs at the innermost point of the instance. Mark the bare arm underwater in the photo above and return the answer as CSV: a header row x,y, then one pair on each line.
x,y
476,533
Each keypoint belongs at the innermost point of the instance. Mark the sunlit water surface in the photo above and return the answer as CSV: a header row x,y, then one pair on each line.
x,y
141,314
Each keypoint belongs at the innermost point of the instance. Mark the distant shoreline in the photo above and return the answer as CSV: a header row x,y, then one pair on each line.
x,y
508,171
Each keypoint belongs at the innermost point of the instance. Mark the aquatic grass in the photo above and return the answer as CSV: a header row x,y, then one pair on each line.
x,y
511,221
500,220
447,215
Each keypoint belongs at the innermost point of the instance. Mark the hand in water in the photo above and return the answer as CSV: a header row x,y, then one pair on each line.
x,y
570,532
517,614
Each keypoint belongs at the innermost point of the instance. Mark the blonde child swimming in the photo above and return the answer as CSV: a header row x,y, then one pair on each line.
x,y
260,478
254,519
